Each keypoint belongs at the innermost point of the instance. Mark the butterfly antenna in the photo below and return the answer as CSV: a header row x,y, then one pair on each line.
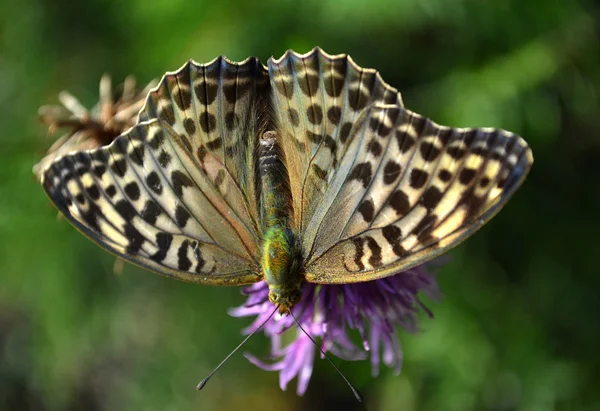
x,y
205,380
354,390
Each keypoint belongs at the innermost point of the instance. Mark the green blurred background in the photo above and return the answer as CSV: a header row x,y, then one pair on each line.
x,y
517,328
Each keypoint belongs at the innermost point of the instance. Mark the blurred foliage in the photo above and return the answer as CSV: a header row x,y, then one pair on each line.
x,y
518,326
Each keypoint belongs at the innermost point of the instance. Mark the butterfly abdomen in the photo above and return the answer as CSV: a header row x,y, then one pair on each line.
x,y
281,259
275,190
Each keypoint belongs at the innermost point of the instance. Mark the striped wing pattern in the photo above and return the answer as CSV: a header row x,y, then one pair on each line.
x,y
407,190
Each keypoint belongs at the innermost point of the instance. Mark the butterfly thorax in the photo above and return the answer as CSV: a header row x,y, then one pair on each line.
x,y
281,257
281,268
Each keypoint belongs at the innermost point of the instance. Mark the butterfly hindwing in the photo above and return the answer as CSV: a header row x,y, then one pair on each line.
x,y
144,198
316,99
422,192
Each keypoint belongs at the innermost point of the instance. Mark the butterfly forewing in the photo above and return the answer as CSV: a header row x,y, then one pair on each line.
x,y
219,110
144,198
317,98
421,191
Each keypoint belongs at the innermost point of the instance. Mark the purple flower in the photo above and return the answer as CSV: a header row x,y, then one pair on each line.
x,y
328,312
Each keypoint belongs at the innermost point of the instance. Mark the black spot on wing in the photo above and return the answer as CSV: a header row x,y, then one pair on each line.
x,y
431,197
181,216
190,126
294,117
184,97
230,91
375,258
157,139
285,87
399,202
334,81
215,144
208,122
466,175
164,158
163,240
165,113
393,235
418,178
391,172
405,141
429,151
456,152
358,97
319,172
200,261
180,180
125,209
345,132
111,191
359,253
367,210
330,143
334,114
374,148
183,262
362,173
99,170
309,84
377,125
136,239
153,181
445,175
132,190
93,192
119,167
91,217
314,114
136,155
151,212
206,92
425,227
314,137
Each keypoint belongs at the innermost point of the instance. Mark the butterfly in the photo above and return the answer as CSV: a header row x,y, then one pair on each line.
x,y
307,169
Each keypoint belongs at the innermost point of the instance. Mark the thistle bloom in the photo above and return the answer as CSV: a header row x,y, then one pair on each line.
x,y
89,129
328,312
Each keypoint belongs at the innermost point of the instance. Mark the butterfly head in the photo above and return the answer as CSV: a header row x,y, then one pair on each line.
x,y
284,298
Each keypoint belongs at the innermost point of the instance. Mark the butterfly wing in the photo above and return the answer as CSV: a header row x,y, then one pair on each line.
x,y
316,100
407,190
219,109
176,194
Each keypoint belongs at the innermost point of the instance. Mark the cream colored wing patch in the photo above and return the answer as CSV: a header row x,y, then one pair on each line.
x,y
407,190
144,198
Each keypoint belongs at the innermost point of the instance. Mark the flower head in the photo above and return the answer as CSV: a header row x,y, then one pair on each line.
x,y
88,129
328,312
